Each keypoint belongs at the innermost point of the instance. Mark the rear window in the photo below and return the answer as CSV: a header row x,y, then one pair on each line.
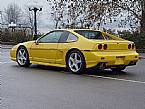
x,y
90,34
107,37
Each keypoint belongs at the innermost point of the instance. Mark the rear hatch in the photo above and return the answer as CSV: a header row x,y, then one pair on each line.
x,y
115,44
105,41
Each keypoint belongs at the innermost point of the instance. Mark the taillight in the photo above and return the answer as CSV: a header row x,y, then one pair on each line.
x,y
133,46
129,46
105,46
100,46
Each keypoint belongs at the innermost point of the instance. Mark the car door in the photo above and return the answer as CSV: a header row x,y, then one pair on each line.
x,y
44,50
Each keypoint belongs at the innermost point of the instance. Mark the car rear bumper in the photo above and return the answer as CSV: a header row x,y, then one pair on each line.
x,y
109,59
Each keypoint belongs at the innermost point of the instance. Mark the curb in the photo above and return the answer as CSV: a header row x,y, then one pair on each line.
x,y
6,46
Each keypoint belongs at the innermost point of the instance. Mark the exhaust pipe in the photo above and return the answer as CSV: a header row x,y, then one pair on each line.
x,y
101,66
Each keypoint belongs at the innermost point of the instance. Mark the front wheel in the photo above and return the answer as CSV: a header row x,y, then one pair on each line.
x,y
75,62
22,57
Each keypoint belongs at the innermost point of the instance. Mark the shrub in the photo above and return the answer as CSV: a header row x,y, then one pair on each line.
x,y
16,36
136,37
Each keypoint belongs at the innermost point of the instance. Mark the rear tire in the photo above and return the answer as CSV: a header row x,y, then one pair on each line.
x,y
75,62
22,57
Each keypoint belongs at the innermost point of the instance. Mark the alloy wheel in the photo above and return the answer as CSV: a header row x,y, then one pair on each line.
x,y
22,56
75,62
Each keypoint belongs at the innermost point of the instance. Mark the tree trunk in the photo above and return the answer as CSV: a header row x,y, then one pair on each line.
x,y
142,23
56,24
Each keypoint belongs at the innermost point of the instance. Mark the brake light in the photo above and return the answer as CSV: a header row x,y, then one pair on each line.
x,y
100,46
105,46
133,46
129,46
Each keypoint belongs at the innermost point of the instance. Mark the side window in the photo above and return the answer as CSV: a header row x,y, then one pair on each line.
x,y
71,38
52,37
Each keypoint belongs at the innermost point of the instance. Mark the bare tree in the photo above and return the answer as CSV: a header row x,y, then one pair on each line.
x,y
136,12
29,19
97,13
57,11
79,13
13,13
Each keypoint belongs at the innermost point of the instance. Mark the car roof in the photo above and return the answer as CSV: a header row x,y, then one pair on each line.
x,y
76,29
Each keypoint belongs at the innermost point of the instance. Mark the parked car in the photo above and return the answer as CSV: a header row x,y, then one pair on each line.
x,y
77,49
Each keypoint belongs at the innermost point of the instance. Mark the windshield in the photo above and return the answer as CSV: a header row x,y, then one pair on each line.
x,y
90,34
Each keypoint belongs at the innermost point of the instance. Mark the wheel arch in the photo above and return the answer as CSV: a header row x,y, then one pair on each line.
x,y
21,47
72,49
27,63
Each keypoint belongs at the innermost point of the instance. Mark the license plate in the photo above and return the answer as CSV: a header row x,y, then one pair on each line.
x,y
119,60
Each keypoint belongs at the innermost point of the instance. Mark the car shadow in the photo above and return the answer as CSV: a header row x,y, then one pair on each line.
x,y
106,73
52,68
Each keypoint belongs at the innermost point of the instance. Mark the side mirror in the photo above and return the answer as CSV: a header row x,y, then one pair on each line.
x,y
37,42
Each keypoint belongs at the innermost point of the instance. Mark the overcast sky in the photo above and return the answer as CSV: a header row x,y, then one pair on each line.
x,y
22,3
44,20
45,23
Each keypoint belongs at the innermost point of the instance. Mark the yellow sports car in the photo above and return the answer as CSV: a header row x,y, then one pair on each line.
x,y
77,49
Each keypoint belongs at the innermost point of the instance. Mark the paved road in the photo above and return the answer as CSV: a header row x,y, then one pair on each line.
x,y
40,87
